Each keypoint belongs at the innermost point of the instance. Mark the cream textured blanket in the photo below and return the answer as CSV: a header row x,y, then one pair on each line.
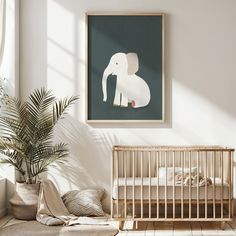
x,y
52,211
192,179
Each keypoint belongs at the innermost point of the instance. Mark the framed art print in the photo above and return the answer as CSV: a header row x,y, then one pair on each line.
x,y
125,67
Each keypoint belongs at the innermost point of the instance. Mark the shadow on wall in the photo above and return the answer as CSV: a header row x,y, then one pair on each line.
x,y
89,161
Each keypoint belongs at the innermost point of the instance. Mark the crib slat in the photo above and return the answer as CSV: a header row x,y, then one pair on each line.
x,y
141,165
198,185
214,183
190,185
125,187
157,163
222,179
122,164
117,182
173,156
206,187
165,156
232,182
182,182
230,179
149,190
137,164
133,167
130,163
112,182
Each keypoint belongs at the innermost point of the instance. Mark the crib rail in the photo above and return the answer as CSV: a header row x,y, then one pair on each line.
x,y
172,183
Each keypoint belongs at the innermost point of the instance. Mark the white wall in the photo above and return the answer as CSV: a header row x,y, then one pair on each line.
x,y
200,77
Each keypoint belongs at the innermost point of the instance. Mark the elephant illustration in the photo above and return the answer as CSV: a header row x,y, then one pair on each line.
x,y
130,88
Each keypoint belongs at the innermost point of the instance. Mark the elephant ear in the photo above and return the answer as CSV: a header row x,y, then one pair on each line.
x,y
133,63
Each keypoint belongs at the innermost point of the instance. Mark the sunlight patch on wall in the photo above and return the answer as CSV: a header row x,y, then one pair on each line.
x,y
60,85
60,22
61,59
198,119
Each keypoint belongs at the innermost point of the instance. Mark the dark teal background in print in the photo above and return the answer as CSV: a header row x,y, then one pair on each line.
x,y
108,35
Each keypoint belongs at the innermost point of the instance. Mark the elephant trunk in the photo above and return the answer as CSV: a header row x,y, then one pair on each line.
x,y
104,87
104,83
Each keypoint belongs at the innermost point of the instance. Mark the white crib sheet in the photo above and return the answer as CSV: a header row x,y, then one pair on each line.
x,y
153,187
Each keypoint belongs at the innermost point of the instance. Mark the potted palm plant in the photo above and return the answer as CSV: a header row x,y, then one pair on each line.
x,y
26,132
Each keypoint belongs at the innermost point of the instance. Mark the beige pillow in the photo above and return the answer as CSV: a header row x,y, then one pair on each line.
x,y
85,202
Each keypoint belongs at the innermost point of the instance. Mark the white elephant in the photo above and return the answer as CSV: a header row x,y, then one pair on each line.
x,y
130,88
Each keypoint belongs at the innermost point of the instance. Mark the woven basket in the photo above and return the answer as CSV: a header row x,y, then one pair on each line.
x,y
24,202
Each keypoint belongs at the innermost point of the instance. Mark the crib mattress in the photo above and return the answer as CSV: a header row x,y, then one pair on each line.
x,y
119,190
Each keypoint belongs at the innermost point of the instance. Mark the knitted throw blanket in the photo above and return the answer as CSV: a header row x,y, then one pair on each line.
x,y
52,211
192,179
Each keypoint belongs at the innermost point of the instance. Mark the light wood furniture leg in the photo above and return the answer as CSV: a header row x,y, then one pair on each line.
x,y
136,224
222,225
121,225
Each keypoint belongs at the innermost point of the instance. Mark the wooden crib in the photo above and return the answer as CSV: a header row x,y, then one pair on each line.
x,y
172,183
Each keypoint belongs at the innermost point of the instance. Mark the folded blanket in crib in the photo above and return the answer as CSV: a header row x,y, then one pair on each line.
x,y
191,179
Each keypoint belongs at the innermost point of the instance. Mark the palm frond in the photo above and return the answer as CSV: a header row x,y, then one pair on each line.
x,y
12,108
14,119
14,129
39,110
60,107
56,154
41,99
9,145
12,158
43,152
6,129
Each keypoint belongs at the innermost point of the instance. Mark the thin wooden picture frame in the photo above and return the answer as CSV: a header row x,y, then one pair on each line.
x,y
89,60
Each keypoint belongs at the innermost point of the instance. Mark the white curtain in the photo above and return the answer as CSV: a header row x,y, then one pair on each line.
x,y
2,27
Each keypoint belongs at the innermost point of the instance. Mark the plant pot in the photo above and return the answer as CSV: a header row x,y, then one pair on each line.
x,y
24,202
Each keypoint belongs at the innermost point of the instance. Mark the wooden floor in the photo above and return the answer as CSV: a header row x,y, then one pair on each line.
x,y
168,228
178,229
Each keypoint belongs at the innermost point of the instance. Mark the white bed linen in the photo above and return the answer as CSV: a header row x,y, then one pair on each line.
x,y
153,183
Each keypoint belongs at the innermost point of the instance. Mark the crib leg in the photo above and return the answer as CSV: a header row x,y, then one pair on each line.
x,y
121,225
222,225
136,224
